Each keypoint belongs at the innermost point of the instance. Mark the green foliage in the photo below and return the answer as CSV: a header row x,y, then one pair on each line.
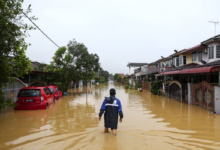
x,y
126,81
61,86
126,86
119,78
116,77
13,31
105,74
137,85
97,79
155,88
40,67
145,80
73,63
102,80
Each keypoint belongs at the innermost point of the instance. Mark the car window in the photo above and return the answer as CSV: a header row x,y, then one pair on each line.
x,y
51,90
57,90
29,93
46,91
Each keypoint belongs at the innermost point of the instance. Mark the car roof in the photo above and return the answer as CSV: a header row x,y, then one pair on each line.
x,y
34,87
52,85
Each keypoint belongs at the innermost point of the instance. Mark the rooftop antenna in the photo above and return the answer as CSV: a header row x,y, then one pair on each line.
x,y
215,24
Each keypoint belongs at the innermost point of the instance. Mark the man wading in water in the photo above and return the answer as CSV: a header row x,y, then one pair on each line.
x,y
112,107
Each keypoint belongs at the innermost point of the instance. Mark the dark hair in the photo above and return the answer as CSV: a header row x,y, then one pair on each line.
x,y
112,91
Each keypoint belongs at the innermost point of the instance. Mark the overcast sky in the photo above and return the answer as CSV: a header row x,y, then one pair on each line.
x,y
121,31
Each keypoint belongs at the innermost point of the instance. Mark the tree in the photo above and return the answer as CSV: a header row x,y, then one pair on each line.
x,y
116,76
74,63
13,60
104,74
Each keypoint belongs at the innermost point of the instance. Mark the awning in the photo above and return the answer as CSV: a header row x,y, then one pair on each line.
x,y
196,70
169,72
193,70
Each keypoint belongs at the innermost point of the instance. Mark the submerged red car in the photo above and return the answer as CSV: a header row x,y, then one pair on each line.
x,y
57,93
34,98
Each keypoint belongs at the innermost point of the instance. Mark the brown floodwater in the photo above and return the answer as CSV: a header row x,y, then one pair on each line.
x,y
150,122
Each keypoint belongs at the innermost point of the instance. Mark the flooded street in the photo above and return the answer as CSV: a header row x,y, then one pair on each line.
x,y
150,122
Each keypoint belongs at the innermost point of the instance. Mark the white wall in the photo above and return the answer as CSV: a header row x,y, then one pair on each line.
x,y
80,83
189,93
217,99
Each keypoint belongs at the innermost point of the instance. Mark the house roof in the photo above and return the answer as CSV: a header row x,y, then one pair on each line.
x,y
194,70
214,63
187,66
151,70
191,49
136,64
214,38
121,74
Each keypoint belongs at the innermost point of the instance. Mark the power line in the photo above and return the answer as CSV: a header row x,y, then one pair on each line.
x,y
40,29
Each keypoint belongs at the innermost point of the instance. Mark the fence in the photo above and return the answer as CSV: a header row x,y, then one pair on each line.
x,y
12,89
146,86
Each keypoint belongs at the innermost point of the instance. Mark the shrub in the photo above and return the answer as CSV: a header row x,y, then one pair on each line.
x,y
155,88
145,80
137,85
126,86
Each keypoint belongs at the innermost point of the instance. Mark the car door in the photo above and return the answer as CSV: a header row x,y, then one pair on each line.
x,y
47,95
51,95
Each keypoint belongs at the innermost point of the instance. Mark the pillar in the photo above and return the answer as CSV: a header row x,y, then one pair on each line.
x,y
129,70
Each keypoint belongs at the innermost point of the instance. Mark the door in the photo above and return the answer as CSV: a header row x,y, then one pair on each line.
x,y
47,95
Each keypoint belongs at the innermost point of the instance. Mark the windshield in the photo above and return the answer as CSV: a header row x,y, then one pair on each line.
x,y
51,90
30,93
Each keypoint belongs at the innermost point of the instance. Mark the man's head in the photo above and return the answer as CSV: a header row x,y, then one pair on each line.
x,y
112,91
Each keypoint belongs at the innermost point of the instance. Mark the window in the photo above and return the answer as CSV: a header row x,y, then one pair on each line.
x,y
51,90
46,91
168,64
193,56
171,62
200,56
180,60
218,51
177,61
184,60
30,93
158,64
174,62
211,52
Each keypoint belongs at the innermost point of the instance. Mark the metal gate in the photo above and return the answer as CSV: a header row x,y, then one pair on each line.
x,y
166,86
203,95
173,89
12,89
185,93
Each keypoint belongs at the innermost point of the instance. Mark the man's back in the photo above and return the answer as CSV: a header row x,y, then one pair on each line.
x,y
111,113
112,107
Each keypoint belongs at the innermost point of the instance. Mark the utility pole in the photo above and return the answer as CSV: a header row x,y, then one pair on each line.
x,y
215,24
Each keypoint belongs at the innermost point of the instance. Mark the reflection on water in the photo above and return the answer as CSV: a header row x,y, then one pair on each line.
x,y
150,122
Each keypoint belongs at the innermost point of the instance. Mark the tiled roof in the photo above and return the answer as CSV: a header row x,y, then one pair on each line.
x,y
137,64
187,66
211,39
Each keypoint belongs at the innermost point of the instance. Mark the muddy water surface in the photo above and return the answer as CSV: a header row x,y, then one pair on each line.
x,y
150,122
